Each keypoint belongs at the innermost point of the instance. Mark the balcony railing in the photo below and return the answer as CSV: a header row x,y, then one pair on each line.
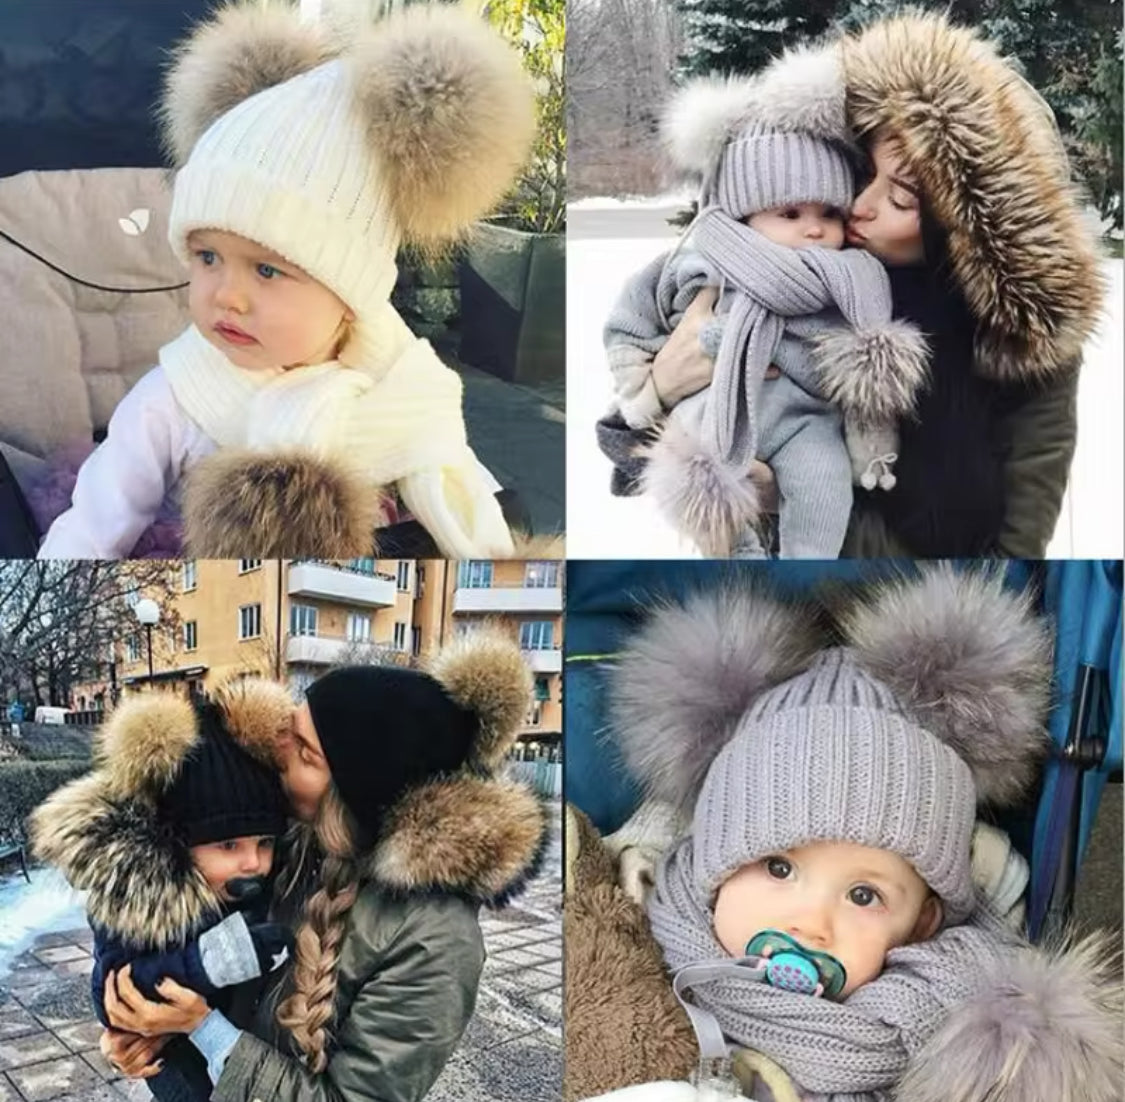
x,y
337,582
331,650
508,598
548,660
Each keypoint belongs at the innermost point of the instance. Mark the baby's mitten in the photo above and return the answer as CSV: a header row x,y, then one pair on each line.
x,y
232,952
873,449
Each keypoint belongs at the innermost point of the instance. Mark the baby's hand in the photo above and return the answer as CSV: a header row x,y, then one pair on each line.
x,y
818,991
767,952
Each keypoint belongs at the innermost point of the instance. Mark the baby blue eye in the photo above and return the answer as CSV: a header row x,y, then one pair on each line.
x,y
268,271
206,256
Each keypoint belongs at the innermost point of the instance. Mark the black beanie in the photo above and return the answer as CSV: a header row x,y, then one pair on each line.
x,y
221,791
383,730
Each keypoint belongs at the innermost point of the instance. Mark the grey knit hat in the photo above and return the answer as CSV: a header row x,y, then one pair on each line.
x,y
761,168
732,706
829,755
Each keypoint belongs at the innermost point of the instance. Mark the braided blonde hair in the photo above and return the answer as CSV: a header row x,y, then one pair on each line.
x,y
307,1012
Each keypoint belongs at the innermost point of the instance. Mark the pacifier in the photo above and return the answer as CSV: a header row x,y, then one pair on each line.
x,y
246,889
791,967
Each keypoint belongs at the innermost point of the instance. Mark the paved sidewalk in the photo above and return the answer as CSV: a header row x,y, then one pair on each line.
x,y
511,1051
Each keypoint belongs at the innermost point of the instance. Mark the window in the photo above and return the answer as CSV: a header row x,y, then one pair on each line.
x,y
363,566
246,565
537,635
415,641
302,620
474,574
400,636
542,689
534,714
541,575
189,635
359,628
133,648
403,576
249,621
187,572
132,597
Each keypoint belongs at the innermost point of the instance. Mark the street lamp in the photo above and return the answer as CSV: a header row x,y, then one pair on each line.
x,y
148,613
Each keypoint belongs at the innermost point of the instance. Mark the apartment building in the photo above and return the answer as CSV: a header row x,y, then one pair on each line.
x,y
296,618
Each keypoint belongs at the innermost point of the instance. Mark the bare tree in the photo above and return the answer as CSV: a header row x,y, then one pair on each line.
x,y
60,620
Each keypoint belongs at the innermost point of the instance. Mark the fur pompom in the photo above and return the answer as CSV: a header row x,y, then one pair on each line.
x,y
484,672
970,661
803,90
482,838
707,501
450,115
284,504
144,744
241,50
874,375
687,677
1046,1027
701,117
258,713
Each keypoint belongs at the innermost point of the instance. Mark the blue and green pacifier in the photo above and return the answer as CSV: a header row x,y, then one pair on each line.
x,y
792,967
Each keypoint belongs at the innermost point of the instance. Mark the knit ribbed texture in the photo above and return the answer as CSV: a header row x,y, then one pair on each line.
x,y
290,168
760,170
828,755
851,1051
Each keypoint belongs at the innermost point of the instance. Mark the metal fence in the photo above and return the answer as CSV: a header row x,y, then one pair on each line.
x,y
544,776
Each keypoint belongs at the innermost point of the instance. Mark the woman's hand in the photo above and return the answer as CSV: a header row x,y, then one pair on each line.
x,y
127,1008
131,1054
681,367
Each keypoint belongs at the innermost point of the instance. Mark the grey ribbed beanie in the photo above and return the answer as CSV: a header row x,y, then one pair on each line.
x,y
761,168
829,755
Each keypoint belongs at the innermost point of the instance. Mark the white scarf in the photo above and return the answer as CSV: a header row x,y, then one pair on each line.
x,y
397,419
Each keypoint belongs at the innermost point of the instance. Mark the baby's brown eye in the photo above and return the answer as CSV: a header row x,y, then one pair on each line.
x,y
863,896
792,213
778,868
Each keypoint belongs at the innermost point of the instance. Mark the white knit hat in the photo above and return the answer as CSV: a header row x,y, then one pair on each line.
x,y
333,152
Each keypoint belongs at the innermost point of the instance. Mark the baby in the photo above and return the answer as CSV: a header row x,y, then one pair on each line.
x,y
777,183
297,396
173,837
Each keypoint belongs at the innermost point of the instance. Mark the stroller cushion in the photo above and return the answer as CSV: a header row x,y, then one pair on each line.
x,y
70,351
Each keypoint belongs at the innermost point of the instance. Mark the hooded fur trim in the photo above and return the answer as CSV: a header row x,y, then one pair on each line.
x,y
987,156
283,504
141,887
970,661
449,112
807,94
258,714
687,677
478,837
874,375
143,745
1046,1027
701,497
485,672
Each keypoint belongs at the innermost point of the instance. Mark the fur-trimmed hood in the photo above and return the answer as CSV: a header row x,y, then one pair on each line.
x,y
476,834
987,155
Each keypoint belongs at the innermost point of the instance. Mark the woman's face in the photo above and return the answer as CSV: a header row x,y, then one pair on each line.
x,y
305,774
886,216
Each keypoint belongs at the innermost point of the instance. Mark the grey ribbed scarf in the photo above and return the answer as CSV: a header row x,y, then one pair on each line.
x,y
776,289
851,1051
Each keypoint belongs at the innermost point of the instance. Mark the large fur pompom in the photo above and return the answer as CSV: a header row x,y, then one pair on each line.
x,y
970,661
687,677
258,714
144,744
484,672
240,51
700,119
1045,1027
450,116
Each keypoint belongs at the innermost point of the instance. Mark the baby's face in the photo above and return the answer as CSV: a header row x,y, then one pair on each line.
x,y
257,308
233,859
854,902
799,225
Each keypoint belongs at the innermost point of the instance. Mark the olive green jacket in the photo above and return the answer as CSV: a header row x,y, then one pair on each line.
x,y
406,986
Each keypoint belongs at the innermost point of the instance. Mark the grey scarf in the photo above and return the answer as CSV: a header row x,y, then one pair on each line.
x,y
777,290
851,1051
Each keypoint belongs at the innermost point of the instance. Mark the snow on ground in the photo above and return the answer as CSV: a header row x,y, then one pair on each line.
x,y
48,903
601,526
612,202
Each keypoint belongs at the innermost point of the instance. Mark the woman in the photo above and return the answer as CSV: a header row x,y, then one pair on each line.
x,y
404,831
969,205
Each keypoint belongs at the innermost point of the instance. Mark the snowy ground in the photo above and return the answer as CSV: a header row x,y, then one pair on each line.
x,y
27,910
609,240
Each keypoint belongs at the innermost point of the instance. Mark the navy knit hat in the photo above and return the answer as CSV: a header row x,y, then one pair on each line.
x,y
220,791
383,730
